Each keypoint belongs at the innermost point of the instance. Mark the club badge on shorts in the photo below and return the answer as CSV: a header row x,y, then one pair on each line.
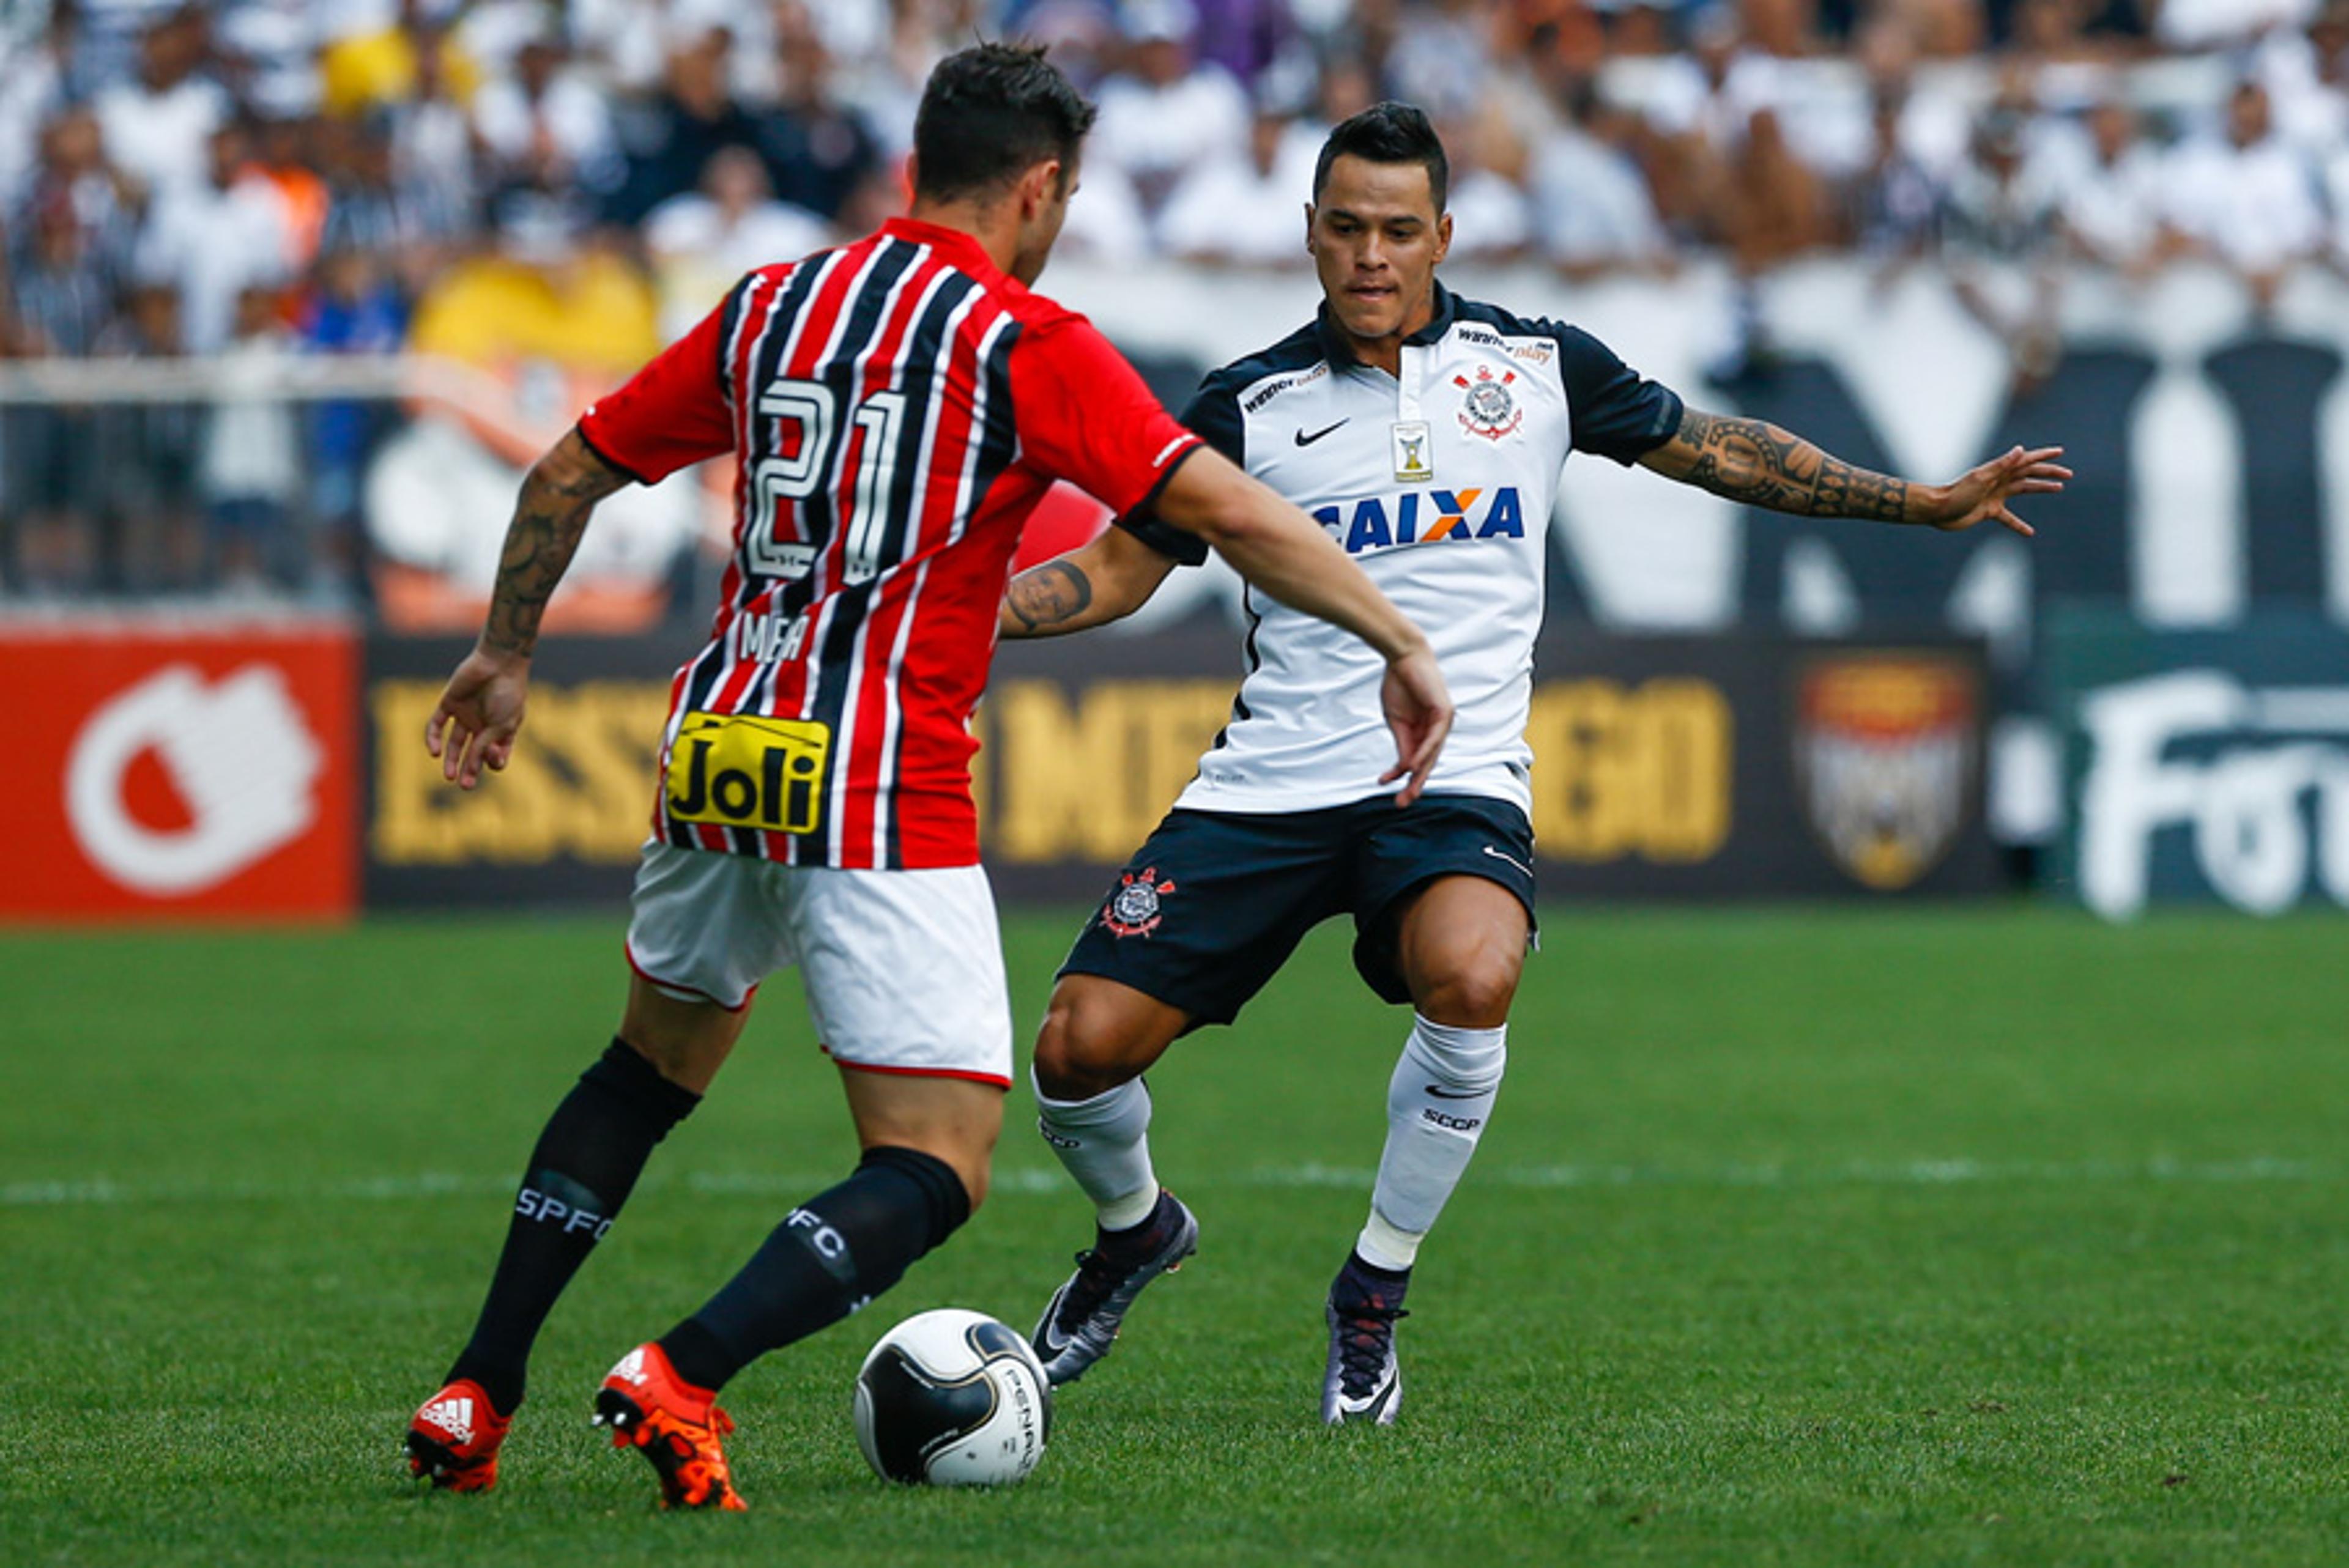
x,y
738,770
1413,460
1134,909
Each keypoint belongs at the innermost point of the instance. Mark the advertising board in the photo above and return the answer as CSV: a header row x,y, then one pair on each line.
x,y
194,772
563,824
2204,765
1666,766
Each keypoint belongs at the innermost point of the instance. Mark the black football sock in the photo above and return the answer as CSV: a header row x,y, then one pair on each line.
x,y
1361,1283
1140,1240
587,1163
830,1256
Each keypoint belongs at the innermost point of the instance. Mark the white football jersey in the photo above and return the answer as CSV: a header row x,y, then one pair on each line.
x,y
1439,482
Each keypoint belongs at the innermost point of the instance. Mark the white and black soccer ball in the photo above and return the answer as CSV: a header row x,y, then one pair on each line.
x,y
953,1398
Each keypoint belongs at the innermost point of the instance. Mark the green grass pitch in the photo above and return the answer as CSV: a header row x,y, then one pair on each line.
x,y
1800,1236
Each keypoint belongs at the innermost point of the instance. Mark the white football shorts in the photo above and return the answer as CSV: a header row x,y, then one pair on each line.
x,y
904,969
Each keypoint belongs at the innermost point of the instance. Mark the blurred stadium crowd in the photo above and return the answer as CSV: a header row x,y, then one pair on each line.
x,y
507,184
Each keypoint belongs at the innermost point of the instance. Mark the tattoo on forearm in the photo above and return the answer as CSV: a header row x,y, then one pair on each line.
x,y
549,520
1049,596
1758,463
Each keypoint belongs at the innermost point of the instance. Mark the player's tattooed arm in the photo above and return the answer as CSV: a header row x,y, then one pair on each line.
x,y
1756,462
1104,581
1045,598
474,724
557,496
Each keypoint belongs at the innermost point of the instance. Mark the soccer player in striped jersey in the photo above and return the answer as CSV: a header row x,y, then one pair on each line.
x,y
898,406
1427,433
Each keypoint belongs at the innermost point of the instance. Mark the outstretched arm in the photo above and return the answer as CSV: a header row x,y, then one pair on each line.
x,y
1103,581
1756,462
481,710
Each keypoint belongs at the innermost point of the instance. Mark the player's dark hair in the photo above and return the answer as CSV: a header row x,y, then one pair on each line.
x,y
990,114
1388,132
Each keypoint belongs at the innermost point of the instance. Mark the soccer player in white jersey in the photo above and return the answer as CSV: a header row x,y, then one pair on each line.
x,y
898,404
1427,433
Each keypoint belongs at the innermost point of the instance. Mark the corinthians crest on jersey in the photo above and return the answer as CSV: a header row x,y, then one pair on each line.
x,y
1490,408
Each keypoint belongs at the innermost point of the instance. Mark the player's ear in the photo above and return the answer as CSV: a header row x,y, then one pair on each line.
x,y
1443,235
1039,187
1311,248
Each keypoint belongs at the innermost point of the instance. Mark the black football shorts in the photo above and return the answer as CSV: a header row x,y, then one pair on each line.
x,y
1210,908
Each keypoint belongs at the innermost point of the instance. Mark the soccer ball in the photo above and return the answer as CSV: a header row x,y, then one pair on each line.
x,y
953,1399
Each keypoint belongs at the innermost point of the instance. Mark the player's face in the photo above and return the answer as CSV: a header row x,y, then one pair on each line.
x,y
1376,238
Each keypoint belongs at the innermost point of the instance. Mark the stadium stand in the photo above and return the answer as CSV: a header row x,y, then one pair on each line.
x,y
259,182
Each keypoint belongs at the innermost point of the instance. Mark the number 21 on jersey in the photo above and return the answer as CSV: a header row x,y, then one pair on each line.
x,y
810,411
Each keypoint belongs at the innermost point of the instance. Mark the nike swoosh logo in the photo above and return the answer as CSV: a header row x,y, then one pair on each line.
x,y
1303,439
1456,1093
1510,858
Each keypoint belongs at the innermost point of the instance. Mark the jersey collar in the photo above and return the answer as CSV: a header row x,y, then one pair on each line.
x,y
962,250
1341,353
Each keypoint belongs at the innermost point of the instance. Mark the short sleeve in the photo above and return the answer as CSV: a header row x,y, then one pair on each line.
x,y
674,412
1214,415
1617,413
1085,416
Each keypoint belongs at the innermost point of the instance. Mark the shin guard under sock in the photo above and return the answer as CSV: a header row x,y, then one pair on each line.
x,y
830,1256
1103,1144
1438,1102
583,1168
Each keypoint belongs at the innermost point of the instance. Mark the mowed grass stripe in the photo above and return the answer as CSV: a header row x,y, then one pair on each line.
x,y
1053,1184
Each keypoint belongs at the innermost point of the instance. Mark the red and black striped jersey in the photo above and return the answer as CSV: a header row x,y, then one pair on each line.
x,y
898,407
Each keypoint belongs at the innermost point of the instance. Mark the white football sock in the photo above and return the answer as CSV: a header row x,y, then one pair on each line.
x,y
1104,1144
1437,1104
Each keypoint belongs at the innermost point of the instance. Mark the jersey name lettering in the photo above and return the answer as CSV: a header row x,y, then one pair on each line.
x,y
763,638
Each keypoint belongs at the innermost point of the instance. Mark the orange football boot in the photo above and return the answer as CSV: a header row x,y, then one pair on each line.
x,y
454,1438
678,1426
